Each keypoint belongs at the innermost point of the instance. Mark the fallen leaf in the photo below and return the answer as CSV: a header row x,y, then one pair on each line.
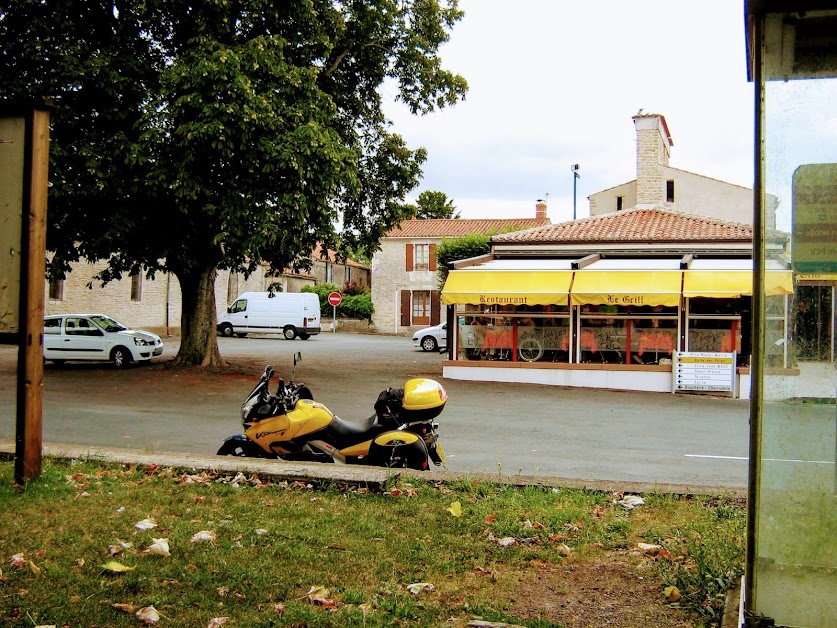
x,y
221,591
395,492
418,587
240,596
18,561
80,562
279,608
113,550
318,596
365,608
34,568
338,547
115,567
217,621
649,548
159,547
455,509
148,614
599,512
261,532
556,538
672,594
482,571
40,553
490,518
125,608
145,524
75,599
199,499
506,541
204,535
664,553
564,549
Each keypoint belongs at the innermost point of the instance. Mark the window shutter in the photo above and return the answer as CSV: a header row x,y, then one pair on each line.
x,y
434,307
432,260
405,307
409,257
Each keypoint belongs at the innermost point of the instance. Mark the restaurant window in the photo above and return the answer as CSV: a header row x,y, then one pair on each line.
x,y
421,307
136,287
713,325
626,334
670,191
539,333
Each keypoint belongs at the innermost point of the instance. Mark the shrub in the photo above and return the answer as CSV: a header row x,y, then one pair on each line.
x,y
357,306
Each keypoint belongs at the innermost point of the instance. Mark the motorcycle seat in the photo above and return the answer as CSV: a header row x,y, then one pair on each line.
x,y
346,429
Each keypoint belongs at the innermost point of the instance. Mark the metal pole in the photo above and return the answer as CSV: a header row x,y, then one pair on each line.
x,y
576,176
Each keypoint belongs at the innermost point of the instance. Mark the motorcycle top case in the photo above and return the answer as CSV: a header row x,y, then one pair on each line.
x,y
424,399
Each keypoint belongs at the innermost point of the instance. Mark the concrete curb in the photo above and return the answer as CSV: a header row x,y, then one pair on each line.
x,y
356,475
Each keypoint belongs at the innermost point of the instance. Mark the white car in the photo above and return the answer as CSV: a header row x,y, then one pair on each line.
x,y
97,337
431,338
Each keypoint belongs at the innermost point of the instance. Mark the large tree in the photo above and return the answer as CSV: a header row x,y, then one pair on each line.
x,y
191,137
433,204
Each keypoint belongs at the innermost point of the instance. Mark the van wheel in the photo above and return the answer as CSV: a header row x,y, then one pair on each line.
x,y
226,330
289,333
120,357
304,336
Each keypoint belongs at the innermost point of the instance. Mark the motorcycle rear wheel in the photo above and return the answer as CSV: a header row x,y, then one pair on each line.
x,y
241,448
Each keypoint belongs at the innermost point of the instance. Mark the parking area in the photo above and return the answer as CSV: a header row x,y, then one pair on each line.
x,y
486,427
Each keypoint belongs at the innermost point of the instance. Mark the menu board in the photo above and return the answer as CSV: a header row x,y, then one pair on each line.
x,y
698,371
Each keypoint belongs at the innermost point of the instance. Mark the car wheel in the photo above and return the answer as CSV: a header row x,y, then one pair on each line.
x,y
120,357
289,333
428,343
226,330
241,335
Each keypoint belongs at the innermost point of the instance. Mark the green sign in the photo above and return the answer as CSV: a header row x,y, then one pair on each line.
x,y
815,219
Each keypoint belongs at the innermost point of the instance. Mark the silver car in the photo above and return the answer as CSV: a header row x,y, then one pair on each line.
x,y
97,337
431,338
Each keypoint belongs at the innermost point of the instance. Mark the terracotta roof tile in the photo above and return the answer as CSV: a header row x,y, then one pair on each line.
x,y
636,225
455,227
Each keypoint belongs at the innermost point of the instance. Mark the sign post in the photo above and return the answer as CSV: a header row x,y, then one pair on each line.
x,y
335,299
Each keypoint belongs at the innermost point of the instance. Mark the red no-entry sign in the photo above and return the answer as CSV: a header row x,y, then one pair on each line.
x,y
335,299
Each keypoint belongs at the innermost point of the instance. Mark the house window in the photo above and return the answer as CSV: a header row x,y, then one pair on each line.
x,y
329,273
232,287
619,200
136,287
670,191
421,307
56,289
422,257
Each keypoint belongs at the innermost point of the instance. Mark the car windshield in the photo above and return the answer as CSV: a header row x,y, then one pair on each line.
x,y
108,324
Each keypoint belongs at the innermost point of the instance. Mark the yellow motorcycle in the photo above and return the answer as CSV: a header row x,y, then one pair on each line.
x,y
290,425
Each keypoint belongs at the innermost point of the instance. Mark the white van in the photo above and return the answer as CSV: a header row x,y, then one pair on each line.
x,y
291,314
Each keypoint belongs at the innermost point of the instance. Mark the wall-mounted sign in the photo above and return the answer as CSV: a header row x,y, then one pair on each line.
x,y
697,371
12,146
815,219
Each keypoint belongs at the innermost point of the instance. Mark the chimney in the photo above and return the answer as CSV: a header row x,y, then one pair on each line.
x,y
540,209
653,147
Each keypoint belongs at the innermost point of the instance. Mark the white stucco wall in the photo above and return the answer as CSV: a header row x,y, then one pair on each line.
x,y
605,202
390,277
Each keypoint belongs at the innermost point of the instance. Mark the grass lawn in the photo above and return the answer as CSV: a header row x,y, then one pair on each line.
x,y
246,552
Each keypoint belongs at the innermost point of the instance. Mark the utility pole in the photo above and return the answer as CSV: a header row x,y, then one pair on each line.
x,y
576,177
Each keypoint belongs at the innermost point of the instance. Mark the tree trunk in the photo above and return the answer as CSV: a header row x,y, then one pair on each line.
x,y
198,341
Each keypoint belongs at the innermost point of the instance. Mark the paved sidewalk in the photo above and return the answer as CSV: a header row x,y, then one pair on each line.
x,y
371,477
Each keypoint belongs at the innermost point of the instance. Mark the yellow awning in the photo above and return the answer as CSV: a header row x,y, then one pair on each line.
x,y
515,287
635,287
730,284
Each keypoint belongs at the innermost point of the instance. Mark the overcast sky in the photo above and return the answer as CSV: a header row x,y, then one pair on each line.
x,y
555,83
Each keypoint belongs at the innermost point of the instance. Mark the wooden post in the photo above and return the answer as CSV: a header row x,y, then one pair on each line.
x,y
30,364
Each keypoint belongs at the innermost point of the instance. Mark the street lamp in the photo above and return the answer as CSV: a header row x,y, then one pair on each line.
x,y
576,177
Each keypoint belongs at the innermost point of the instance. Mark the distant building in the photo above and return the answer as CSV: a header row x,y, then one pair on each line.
x,y
405,284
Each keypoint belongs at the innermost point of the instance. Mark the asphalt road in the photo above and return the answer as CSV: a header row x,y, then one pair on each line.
x,y
511,429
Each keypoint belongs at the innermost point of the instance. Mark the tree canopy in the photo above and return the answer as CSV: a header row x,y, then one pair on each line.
x,y
189,138
432,204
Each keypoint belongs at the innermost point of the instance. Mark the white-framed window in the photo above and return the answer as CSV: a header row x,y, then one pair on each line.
x,y
421,257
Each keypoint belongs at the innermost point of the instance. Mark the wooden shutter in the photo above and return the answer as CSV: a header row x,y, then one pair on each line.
x,y
406,303
409,257
432,260
435,319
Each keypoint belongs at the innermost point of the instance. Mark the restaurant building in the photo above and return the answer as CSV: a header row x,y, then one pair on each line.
x,y
606,301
